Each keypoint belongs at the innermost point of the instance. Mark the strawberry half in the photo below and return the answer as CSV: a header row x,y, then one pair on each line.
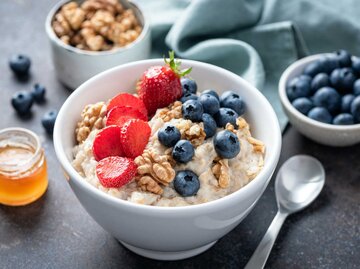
x,y
134,136
120,114
107,143
115,171
127,99
159,86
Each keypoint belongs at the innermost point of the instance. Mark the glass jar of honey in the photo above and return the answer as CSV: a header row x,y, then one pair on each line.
x,y
23,174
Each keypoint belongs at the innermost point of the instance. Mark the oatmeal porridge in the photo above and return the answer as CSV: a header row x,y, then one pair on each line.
x,y
195,148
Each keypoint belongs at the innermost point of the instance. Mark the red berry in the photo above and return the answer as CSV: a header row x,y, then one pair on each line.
x,y
160,85
134,136
107,143
127,99
115,171
120,114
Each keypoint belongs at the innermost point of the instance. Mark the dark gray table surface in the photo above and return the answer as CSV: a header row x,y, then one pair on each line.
x,y
56,232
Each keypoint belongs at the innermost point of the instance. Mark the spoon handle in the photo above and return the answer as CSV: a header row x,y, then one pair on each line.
x,y
261,254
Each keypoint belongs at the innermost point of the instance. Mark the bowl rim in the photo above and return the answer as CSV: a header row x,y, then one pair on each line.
x,y
53,37
289,71
269,166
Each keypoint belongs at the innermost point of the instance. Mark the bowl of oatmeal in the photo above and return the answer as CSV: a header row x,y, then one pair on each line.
x,y
185,193
90,36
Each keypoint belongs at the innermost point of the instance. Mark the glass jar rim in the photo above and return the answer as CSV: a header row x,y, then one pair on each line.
x,y
32,138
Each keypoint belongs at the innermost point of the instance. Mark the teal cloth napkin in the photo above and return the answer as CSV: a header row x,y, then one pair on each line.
x,y
256,39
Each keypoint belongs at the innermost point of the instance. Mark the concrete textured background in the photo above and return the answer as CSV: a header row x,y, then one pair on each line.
x,y
56,232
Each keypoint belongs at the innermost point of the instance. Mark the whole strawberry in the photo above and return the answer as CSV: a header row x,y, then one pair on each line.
x,y
159,86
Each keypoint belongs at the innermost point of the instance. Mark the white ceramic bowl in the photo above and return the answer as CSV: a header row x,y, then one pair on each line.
x,y
323,133
167,233
74,66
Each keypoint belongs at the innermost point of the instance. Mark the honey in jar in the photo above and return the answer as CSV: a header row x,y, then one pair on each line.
x,y
23,173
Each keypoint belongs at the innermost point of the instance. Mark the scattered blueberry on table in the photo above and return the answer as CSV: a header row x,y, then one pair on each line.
x,y
20,64
327,89
38,92
22,102
48,121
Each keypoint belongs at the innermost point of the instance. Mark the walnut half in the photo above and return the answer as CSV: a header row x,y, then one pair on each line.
x,y
221,172
93,116
153,169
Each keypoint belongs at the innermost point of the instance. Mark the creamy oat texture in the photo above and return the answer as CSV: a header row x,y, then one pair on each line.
x,y
241,169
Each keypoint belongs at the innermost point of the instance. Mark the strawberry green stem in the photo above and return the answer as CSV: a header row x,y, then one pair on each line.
x,y
175,64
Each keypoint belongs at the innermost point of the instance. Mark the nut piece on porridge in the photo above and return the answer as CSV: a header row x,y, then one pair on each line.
x,y
92,117
171,112
157,167
221,172
192,131
147,183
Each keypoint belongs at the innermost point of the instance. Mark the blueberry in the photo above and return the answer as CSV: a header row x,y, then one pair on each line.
x,y
20,64
344,58
303,104
192,110
188,96
169,135
210,104
188,85
355,64
48,121
313,68
298,87
305,77
343,79
329,63
344,119
183,151
186,183
226,144
232,100
319,81
355,109
329,98
209,125
211,92
346,101
22,101
224,116
320,114
356,87
38,93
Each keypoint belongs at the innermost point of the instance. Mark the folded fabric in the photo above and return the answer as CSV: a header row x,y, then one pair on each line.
x,y
256,39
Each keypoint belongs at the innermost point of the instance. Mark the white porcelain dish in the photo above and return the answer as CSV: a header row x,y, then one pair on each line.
x,y
167,233
74,66
323,133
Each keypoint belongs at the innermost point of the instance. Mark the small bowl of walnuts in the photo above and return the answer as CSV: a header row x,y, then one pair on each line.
x,y
90,36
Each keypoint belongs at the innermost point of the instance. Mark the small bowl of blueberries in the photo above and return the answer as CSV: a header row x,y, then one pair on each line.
x,y
320,94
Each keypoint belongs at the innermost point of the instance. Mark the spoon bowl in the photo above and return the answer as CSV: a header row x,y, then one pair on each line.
x,y
298,182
